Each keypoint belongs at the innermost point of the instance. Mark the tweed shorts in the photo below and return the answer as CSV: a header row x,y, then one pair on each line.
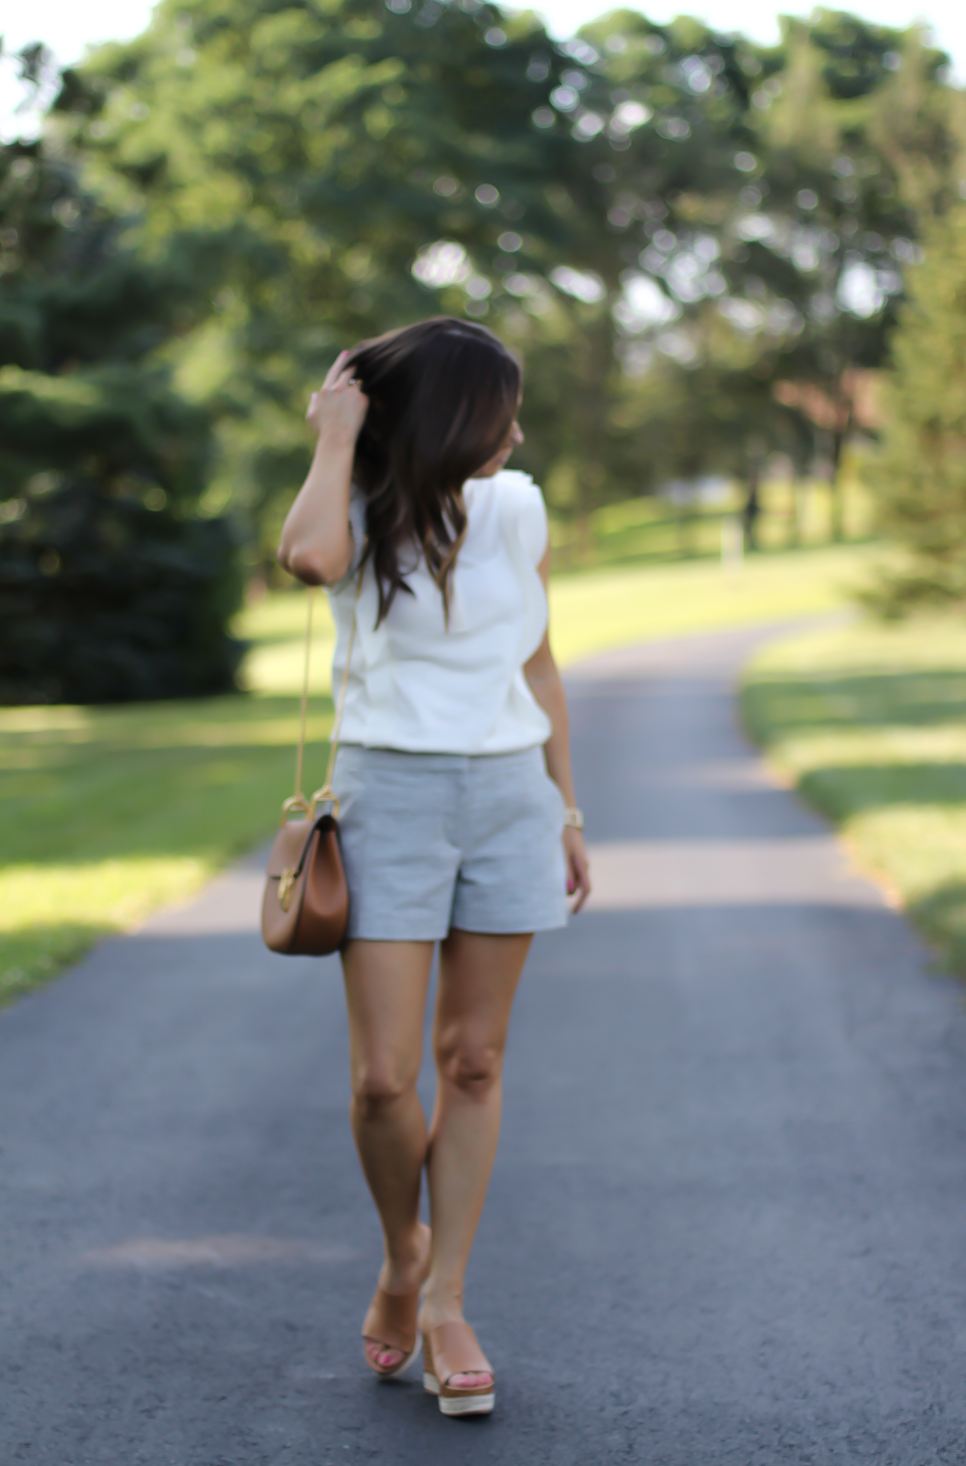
x,y
432,841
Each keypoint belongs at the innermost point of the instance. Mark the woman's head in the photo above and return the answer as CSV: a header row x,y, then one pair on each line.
x,y
443,398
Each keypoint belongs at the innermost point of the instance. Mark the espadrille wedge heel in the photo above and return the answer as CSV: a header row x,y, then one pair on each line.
x,y
450,1349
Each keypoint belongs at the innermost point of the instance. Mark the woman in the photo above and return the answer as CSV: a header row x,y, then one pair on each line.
x,y
457,813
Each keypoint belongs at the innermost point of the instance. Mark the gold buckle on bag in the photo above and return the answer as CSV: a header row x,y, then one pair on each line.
x,y
293,807
325,795
285,884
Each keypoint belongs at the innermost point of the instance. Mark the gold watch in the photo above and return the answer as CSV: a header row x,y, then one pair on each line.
x,y
574,819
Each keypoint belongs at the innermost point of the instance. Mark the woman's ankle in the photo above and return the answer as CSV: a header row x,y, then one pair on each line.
x,y
440,1306
405,1261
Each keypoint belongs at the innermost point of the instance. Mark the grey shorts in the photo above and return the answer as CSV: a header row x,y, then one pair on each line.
x,y
432,841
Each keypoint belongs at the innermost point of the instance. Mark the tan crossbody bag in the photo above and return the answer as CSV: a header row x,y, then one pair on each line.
x,y
305,906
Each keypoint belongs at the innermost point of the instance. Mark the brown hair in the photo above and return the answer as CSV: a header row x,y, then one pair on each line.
x,y
443,396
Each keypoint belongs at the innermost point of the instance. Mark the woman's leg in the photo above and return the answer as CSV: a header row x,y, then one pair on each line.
x,y
478,976
386,986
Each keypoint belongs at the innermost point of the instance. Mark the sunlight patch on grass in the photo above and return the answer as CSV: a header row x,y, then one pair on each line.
x,y
276,626
119,890
603,609
870,723
279,667
110,812
50,914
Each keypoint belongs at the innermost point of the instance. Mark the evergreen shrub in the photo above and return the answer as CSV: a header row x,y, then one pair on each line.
x,y
103,599
112,586
920,474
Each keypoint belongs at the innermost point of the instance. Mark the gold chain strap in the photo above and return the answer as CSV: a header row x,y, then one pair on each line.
x,y
305,698
298,802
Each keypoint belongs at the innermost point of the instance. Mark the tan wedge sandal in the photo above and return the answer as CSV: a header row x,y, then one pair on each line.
x,y
391,1322
450,1349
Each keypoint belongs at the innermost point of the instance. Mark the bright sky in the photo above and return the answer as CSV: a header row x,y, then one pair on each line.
x,y
68,27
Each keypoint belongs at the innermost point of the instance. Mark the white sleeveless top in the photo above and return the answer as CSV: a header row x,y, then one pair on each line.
x,y
415,684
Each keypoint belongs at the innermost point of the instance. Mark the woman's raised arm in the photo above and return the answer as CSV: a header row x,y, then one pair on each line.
x,y
316,544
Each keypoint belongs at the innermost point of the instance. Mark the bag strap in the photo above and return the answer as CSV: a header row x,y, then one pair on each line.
x,y
298,802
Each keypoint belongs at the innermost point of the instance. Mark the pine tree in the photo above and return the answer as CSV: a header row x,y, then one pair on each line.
x,y
111,587
920,476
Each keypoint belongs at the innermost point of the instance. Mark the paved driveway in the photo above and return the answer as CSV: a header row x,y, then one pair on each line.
x,y
728,1219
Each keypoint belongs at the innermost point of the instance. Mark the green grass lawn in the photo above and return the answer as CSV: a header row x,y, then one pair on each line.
x,y
653,529
108,813
870,722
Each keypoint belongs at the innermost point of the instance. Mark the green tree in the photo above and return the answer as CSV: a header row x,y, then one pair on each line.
x,y
308,157
920,473
857,136
110,587
634,205
657,114
778,190
357,167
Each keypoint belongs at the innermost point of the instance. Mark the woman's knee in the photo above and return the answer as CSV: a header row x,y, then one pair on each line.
x,y
379,1087
469,1063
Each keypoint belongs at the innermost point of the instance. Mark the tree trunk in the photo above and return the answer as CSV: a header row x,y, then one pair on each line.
x,y
794,537
584,540
835,491
751,510
839,437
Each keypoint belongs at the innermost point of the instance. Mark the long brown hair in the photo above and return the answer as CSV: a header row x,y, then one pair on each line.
x,y
443,396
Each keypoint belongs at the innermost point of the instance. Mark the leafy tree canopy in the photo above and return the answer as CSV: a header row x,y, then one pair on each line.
x,y
109,587
641,208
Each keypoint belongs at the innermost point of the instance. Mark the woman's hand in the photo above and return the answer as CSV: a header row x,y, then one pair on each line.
x,y
316,545
337,411
578,866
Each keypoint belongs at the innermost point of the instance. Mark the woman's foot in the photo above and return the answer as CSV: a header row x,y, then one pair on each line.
x,y
394,1306
430,1316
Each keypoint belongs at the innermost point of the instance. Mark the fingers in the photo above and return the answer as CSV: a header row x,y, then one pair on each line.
x,y
334,370
338,375
344,380
578,879
338,380
583,891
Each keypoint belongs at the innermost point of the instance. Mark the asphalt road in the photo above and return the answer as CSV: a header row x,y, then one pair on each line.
x,y
728,1217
